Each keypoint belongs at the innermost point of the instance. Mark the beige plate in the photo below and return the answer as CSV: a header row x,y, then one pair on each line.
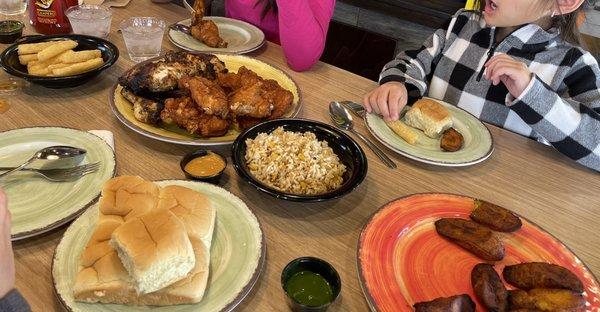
x,y
241,37
237,256
173,134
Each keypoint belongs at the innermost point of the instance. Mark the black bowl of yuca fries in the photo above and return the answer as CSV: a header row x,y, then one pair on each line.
x,y
58,61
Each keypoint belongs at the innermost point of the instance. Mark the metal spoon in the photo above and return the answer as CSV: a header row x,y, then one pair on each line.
x,y
51,154
180,27
342,118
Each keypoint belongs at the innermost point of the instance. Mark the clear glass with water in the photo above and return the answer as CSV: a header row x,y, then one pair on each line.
x,y
143,37
92,20
13,7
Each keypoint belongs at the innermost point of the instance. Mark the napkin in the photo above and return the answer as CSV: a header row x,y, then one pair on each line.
x,y
105,135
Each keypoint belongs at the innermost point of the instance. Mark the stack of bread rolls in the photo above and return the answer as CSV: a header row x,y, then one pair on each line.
x,y
150,246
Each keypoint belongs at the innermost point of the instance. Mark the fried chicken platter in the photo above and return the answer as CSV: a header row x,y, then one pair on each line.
x,y
199,95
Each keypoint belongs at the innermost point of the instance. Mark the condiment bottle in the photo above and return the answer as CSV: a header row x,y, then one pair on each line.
x,y
48,16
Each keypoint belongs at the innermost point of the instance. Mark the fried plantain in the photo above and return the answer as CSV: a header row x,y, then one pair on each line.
x,y
541,275
460,303
495,217
489,288
451,140
544,299
471,236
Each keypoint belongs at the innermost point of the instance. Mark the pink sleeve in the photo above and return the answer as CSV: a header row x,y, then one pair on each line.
x,y
303,28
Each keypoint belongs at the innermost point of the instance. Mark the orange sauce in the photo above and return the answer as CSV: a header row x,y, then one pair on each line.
x,y
205,166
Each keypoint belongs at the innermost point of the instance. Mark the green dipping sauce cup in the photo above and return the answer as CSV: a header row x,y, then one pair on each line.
x,y
310,284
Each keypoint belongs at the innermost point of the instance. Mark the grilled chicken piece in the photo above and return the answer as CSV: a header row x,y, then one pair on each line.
x,y
471,236
163,76
495,217
551,300
144,110
461,303
184,113
208,95
488,287
541,275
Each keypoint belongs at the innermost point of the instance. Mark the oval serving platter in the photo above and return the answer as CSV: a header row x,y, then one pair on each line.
x,y
237,256
402,260
478,142
38,205
123,109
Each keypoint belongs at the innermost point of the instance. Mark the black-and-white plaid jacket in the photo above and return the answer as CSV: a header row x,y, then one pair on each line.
x,y
561,105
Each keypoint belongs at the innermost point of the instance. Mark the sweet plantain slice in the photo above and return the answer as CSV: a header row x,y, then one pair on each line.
x,y
544,299
541,275
471,236
460,303
495,217
488,287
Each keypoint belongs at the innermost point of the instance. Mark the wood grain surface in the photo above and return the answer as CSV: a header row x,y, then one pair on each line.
x,y
522,175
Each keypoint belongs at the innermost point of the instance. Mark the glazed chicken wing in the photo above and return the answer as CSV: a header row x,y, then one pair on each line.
x,y
208,95
184,113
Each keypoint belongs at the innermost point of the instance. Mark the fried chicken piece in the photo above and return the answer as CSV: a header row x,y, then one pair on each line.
x,y
245,122
451,140
198,12
251,101
541,275
184,113
460,303
471,236
208,95
540,299
280,98
207,32
488,287
230,81
495,217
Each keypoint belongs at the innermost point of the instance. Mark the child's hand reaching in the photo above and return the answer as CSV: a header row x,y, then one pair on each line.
x,y
387,100
514,74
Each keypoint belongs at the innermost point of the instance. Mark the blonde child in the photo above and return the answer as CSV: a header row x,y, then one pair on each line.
x,y
517,65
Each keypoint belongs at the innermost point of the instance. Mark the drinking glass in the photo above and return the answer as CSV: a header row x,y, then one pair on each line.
x,y
143,37
13,7
92,20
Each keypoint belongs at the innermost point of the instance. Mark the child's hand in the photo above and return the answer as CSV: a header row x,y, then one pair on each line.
x,y
7,261
514,74
387,100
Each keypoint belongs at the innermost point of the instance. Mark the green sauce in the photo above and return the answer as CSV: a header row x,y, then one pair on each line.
x,y
309,289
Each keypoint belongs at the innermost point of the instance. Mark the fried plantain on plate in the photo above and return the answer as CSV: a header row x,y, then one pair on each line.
x,y
495,217
543,299
541,275
471,236
488,287
451,140
460,303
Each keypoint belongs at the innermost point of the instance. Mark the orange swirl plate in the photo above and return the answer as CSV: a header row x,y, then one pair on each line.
x,y
402,260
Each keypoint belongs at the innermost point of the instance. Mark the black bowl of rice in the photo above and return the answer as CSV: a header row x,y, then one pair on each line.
x,y
299,160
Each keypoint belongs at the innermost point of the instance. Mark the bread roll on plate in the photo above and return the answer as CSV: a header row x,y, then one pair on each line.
x,y
430,116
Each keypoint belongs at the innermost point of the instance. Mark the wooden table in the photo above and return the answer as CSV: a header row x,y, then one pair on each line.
x,y
527,177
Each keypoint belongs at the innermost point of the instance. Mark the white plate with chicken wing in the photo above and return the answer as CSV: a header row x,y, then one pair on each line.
x,y
226,94
241,37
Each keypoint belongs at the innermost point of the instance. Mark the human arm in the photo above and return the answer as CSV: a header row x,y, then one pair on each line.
x,y
303,26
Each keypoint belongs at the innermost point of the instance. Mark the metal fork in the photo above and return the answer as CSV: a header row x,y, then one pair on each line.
x,y
63,174
355,108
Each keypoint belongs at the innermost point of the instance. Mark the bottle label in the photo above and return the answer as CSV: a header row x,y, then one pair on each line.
x,y
44,4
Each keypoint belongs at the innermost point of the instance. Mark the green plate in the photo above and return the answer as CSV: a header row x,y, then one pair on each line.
x,y
38,205
237,255
478,143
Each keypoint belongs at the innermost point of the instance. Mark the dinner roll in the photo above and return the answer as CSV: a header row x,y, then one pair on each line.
x,y
430,116
128,196
154,249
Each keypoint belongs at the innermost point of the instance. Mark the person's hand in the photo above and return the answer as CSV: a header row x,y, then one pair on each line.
x,y
387,100
7,261
513,74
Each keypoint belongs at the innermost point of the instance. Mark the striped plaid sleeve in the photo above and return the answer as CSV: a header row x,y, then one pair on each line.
x,y
413,66
570,121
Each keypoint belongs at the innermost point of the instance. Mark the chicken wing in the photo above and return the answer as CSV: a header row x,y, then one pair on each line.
x,y
184,113
208,96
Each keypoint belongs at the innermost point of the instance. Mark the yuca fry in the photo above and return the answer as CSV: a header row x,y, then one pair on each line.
x,y
26,58
60,65
56,49
31,48
409,134
43,64
39,71
71,56
78,68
